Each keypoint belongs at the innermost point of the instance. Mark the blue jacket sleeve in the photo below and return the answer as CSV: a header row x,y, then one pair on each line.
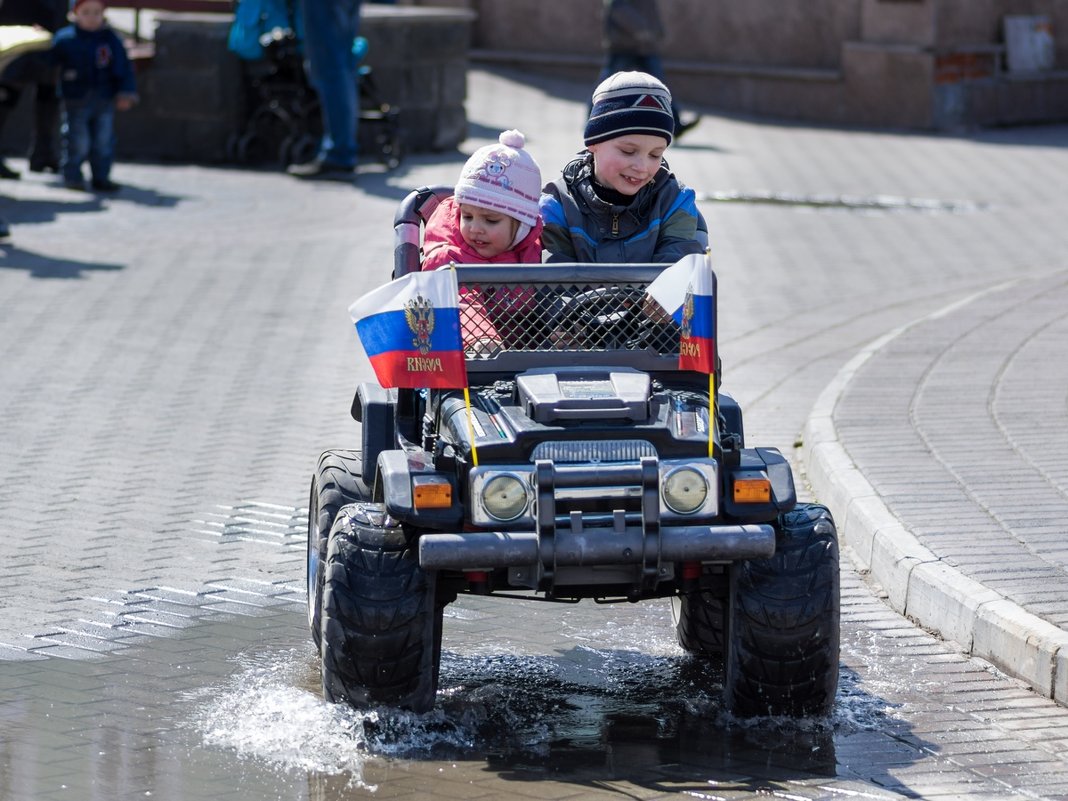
x,y
555,237
683,230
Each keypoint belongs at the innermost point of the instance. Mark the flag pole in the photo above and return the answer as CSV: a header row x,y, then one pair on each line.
x,y
713,411
467,391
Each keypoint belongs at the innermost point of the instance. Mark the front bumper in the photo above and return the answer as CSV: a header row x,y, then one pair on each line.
x,y
476,550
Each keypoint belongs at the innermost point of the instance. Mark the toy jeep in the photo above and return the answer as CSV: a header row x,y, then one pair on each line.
x,y
588,467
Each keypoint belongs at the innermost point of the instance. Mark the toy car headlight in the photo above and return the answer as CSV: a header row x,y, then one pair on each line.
x,y
505,497
684,490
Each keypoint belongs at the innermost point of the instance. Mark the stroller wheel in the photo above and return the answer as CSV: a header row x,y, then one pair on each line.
x,y
231,148
251,149
284,158
303,149
391,154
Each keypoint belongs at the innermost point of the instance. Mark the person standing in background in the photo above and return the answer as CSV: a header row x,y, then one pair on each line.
x,y
34,70
330,29
633,36
96,78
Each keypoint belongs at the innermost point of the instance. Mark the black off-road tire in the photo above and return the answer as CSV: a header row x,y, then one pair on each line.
x,y
335,483
701,623
783,627
381,624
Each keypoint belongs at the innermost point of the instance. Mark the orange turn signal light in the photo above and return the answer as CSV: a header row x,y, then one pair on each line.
x,y
431,492
752,490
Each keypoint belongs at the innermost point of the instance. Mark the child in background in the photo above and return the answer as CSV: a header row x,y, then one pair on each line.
x,y
492,216
95,78
618,201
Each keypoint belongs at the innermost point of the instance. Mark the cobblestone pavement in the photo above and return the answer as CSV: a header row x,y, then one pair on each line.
x,y
175,357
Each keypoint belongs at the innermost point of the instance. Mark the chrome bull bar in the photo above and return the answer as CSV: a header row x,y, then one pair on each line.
x,y
475,550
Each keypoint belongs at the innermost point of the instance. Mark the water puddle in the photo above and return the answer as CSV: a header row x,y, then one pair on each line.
x,y
236,704
582,710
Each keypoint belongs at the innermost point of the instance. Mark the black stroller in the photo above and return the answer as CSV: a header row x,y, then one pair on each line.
x,y
284,124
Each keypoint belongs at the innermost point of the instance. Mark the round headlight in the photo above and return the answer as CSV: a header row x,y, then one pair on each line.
x,y
685,490
505,497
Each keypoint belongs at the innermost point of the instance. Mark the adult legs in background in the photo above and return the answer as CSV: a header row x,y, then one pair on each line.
x,y
9,98
330,27
44,144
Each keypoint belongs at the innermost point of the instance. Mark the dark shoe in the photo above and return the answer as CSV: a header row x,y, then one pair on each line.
x,y
7,173
77,186
105,185
322,170
5,229
683,127
44,165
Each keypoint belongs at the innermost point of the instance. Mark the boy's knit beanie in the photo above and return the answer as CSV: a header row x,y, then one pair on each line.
x,y
630,103
505,178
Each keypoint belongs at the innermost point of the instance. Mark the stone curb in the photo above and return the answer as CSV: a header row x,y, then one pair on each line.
x,y
931,593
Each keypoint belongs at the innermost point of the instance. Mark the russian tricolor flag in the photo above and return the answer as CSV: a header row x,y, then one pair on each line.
x,y
410,329
685,290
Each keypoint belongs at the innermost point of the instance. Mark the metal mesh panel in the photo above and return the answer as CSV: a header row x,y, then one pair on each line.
x,y
576,317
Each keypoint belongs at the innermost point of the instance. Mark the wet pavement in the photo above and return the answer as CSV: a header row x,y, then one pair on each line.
x,y
175,358
582,702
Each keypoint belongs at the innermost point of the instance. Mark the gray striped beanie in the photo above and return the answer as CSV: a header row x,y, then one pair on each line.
x,y
630,103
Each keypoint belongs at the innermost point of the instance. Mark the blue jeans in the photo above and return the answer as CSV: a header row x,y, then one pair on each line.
x,y
88,133
330,26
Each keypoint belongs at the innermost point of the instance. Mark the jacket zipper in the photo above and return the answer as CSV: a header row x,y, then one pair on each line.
x,y
615,225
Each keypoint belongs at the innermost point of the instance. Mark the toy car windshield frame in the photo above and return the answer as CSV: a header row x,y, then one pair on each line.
x,y
519,317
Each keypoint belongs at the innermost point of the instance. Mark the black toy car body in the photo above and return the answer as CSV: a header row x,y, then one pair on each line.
x,y
588,466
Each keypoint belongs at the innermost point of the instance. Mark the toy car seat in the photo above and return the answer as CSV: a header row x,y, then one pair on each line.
x,y
412,215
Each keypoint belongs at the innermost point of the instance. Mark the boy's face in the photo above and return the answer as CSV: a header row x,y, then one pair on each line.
x,y
627,163
490,233
89,15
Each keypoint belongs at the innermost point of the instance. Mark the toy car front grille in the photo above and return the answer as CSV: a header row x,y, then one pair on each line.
x,y
603,451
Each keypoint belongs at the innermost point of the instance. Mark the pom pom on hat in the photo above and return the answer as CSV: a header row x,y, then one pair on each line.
x,y
630,103
502,177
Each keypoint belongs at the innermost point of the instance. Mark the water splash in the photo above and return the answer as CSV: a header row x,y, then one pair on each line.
x,y
261,712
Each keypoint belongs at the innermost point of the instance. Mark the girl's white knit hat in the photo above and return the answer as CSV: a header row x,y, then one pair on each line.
x,y
502,177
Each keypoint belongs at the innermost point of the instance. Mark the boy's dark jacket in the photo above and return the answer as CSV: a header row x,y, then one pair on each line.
x,y
660,225
92,62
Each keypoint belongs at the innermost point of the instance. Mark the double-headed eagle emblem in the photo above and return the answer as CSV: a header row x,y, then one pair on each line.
x,y
687,312
419,314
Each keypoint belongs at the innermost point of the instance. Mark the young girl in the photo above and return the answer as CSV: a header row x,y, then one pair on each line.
x,y
618,202
492,216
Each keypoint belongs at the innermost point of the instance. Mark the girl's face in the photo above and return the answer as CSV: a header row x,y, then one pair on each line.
x,y
627,163
490,233
89,16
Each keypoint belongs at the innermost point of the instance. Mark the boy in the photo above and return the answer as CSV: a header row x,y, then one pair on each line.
x,y
95,78
618,202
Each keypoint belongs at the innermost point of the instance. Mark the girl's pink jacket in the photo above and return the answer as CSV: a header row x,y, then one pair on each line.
x,y
443,244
